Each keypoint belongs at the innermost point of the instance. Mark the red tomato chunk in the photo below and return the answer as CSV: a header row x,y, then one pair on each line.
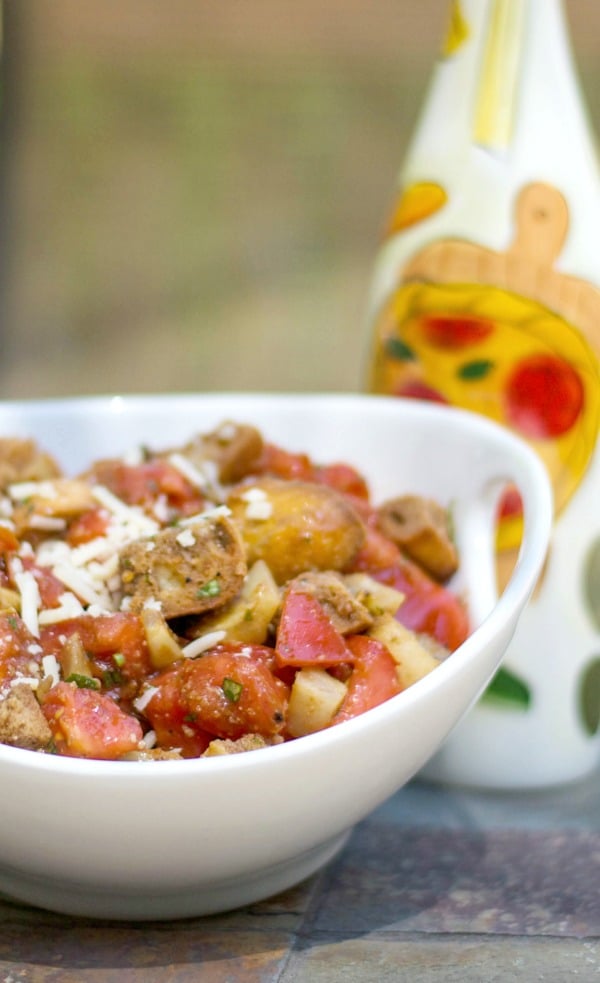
x,y
374,678
88,724
226,693
306,636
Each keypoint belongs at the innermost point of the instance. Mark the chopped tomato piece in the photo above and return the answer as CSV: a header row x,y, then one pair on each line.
x,y
18,647
88,724
428,607
50,587
283,464
175,725
8,541
102,638
343,478
90,525
306,636
377,552
143,484
374,678
226,693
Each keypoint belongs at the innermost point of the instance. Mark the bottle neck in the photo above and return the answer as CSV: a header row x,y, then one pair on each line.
x,y
505,78
545,138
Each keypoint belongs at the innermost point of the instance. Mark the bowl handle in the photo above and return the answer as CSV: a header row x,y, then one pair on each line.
x,y
475,523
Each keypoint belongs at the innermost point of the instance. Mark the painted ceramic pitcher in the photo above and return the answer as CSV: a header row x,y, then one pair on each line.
x,y
486,295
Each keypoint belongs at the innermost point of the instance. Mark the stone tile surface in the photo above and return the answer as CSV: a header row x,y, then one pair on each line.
x,y
500,882
437,886
439,959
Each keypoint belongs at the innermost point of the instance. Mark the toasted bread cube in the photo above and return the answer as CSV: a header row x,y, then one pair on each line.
x,y
420,526
185,570
22,723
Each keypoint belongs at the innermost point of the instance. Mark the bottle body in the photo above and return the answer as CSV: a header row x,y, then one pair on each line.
x,y
486,295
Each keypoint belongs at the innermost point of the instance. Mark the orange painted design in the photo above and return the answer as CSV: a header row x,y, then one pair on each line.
x,y
416,203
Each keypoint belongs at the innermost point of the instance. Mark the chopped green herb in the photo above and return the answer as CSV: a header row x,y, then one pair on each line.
x,y
84,682
190,718
13,622
111,677
210,589
119,659
232,689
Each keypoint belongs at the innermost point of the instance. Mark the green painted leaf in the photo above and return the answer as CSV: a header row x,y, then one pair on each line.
x,y
507,688
399,350
471,371
590,697
591,582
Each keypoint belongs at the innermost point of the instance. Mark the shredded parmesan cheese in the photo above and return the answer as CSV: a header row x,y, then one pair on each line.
x,y
142,701
213,513
80,582
259,510
48,523
31,681
149,739
22,490
253,495
51,668
69,607
191,473
129,514
30,600
200,645
186,538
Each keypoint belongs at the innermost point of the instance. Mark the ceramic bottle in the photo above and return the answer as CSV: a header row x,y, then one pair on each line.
x,y
486,295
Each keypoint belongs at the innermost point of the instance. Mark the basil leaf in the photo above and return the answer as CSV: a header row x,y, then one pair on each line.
x,y
232,689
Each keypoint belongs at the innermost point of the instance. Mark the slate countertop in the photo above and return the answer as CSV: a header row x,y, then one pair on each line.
x,y
438,885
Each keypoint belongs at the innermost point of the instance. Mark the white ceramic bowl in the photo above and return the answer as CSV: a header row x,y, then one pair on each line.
x,y
168,839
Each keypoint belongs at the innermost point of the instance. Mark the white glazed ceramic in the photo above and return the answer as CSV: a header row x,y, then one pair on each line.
x,y
142,840
504,137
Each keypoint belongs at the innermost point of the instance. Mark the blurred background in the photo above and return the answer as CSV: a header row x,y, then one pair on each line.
x,y
193,192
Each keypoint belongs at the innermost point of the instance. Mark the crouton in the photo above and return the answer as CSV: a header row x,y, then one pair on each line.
x,y
184,569
249,742
232,447
23,460
420,527
22,723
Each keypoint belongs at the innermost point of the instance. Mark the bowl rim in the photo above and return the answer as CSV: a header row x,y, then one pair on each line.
x,y
520,585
